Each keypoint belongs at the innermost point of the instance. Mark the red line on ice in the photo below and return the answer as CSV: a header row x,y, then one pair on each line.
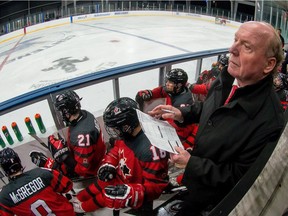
x,y
10,52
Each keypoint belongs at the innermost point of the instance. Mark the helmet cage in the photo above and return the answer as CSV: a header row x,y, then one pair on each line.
x,y
223,60
10,162
120,117
68,104
179,77
121,131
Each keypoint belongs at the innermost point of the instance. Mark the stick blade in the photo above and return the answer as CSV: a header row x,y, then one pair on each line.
x,y
38,139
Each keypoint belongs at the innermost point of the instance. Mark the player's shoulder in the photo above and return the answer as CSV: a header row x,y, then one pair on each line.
x,y
35,174
142,147
87,114
40,171
87,122
89,119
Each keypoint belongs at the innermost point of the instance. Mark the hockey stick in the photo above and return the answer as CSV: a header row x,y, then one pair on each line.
x,y
44,145
1,177
39,140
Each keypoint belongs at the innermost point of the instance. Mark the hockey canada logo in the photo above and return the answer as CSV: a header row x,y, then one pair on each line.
x,y
117,110
122,163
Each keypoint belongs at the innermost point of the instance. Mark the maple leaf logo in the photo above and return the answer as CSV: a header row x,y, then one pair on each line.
x,y
126,171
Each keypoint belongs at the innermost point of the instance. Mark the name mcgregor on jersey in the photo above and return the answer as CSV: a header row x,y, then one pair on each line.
x,y
27,190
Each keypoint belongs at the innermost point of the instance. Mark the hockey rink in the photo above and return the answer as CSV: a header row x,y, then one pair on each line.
x,y
51,55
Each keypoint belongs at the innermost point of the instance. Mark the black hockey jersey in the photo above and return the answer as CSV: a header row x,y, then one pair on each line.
x,y
36,192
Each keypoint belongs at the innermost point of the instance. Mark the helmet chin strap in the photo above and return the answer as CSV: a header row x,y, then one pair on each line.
x,y
126,132
126,136
66,120
133,133
130,132
174,92
15,175
74,119
177,89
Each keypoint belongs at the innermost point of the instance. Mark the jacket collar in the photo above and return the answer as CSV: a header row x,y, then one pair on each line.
x,y
251,97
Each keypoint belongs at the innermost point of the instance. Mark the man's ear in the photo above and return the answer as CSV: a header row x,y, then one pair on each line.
x,y
270,64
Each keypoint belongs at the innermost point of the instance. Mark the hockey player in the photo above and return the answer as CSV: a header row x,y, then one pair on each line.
x,y
35,192
177,95
216,68
132,171
223,62
205,79
84,149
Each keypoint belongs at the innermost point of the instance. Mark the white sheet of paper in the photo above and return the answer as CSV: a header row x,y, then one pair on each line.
x,y
160,133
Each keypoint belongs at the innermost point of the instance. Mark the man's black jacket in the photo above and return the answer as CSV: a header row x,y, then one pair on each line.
x,y
230,137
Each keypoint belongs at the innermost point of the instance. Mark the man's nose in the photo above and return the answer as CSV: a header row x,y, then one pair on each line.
x,y
234,49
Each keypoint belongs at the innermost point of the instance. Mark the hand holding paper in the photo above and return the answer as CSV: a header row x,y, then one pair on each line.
x,y
160,133
181,159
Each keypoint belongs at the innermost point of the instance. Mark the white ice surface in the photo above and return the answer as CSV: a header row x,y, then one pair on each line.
x,y
43,57
52,54
101,44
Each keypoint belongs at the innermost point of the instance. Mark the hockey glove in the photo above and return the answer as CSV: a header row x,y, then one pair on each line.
x,y
58,148
106,172
144,95
121,196
42,160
